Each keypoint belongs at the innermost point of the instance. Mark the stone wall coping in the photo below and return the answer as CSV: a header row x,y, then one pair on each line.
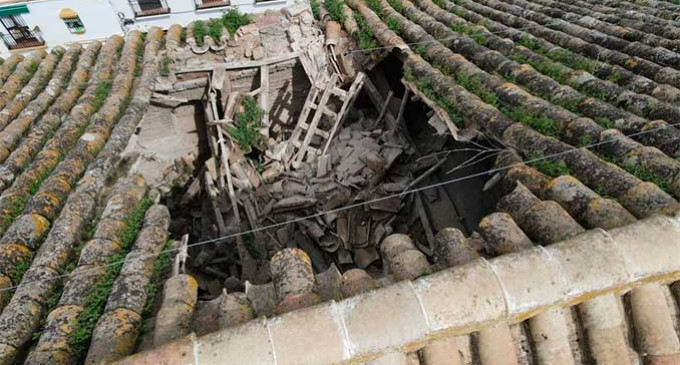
x,y
405,316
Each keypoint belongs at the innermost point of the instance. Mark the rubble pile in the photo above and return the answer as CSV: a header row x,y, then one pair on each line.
x,y
273,34
320,154
360,166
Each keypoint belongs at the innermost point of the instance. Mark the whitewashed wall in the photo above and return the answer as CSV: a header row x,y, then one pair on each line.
x,y
99,20
184,12
101,17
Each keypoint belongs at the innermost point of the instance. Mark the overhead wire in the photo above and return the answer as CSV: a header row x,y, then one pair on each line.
x,y
343,208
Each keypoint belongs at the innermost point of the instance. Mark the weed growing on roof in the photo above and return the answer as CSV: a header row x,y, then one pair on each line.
x,y
139,53
474,85
396,5
16,207
456,10
52,301
101,92
550,167
35,184
376,7
605,123
232,20
573,60
17,271
215,29
646,175
476,34
164,67
30,70
570,104
183,36
200,31
533,44
6,296
616,77
88,233
425,87
365,38
314,4
541,124
134,222
247,126
334,8
561,55
393,24
585,141
79,338
601,95
446,69
554,70
160,267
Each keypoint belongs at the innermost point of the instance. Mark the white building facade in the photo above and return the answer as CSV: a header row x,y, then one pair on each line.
x,y
30,24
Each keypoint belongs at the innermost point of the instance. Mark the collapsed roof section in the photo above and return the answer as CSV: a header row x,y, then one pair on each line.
x,y
588,105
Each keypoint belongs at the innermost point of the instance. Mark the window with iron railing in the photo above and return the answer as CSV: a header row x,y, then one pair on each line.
x,y
205,4
149,7
23,38
19,35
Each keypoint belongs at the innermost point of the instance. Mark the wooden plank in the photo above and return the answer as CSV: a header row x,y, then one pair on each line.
x,y
243,64
212,193
321,133
218,75
378,101
307,65
316,119
264,96
342,94
179,266
351,96
326,111
425,221
402,107
246,259
302,119
441,113
384,108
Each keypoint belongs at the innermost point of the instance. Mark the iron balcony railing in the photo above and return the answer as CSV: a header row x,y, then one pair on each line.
x,y
26,38
205,4
149,7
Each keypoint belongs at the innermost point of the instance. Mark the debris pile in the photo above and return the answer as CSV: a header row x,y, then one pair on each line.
x,y
326,179
358,166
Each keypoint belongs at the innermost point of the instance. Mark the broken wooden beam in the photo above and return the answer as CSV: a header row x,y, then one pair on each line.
x,y
378,102
384,108
264,99
439,111
242,64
